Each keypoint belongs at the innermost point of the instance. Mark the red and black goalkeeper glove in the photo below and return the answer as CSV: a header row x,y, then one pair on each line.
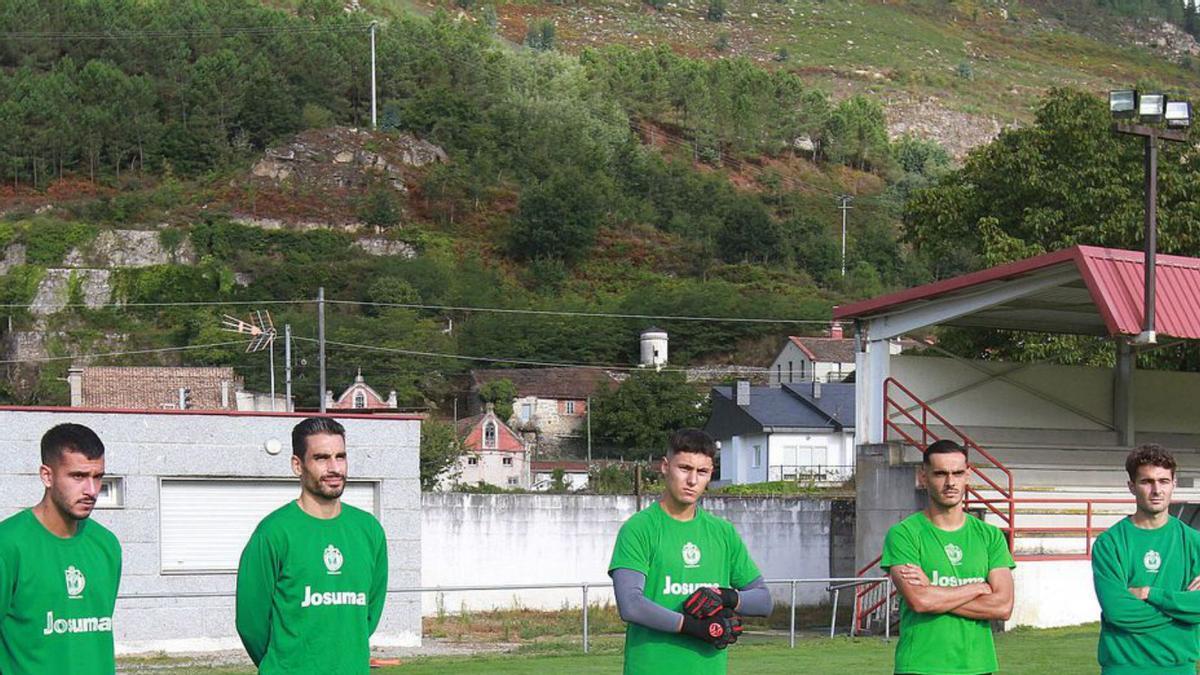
x,y
706,602
719,630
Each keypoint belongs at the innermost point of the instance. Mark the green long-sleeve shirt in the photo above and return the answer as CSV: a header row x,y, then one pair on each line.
x,y
1159,635
310,591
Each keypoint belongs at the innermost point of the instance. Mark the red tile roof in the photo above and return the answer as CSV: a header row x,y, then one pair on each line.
x,y
471,431
1113,279
556,383
156,388
825,350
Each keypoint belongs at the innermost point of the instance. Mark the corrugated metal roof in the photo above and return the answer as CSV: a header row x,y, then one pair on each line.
x,y
1114,280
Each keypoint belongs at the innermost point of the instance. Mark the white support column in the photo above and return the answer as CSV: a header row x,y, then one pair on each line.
x,y
872,367
1123,417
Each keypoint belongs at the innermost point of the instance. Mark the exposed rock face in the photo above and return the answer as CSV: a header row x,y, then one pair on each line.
x,y
1162,37
13,255
385,247
54,291
957,132
129,248
346,158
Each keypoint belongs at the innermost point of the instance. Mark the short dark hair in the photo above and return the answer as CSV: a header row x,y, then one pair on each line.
x,y
692,440
69,437
1151,454
311,427
942,447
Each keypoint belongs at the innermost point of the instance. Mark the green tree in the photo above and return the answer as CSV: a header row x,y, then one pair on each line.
x,y
440,450
500,393
559,217
636,419
856,134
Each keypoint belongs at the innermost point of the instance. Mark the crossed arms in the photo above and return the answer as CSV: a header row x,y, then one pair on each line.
x,y
990,600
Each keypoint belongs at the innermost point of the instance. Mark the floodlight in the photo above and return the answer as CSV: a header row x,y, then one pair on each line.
x,y
1122,102
1151,106
1178,114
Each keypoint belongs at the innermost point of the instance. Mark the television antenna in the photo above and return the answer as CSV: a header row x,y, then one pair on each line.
x,y
261,330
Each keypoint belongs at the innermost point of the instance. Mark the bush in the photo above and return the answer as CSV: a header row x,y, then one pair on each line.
x,y
540,35
380,208
47,241
315,117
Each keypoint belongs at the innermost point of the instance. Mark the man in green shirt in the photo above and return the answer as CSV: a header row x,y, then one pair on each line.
x,y
313,577
953,573
681,576
1146,569
59,571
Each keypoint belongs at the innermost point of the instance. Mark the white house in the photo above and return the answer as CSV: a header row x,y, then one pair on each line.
x,y
492,452
823,359
802,432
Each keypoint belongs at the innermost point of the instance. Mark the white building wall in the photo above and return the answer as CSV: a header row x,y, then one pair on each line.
x,y
1049,593
541,539
492,469
832,449
142,448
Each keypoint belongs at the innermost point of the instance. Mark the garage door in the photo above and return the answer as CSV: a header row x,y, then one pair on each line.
x,y
204,524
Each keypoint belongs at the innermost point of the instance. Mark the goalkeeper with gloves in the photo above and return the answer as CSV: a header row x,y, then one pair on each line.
x,y
683,578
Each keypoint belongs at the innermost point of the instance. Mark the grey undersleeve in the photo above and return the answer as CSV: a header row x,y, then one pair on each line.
x,y
630,588
755,599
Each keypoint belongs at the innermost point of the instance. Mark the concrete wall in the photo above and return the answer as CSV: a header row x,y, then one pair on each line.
x,y
885,495
1053,593
539,539
737,459
1163,401
141,448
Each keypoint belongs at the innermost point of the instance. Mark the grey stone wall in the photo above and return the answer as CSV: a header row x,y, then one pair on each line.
x,y
144,447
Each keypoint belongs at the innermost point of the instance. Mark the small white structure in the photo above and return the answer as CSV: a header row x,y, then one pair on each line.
x,y
820,359
800,432
653,348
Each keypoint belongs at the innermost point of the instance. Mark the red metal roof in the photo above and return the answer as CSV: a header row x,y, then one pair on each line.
x,y
1114,279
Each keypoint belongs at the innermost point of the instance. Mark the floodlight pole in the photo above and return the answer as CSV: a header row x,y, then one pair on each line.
x,y
1150,136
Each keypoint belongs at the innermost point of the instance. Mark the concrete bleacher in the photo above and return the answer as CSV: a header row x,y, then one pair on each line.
x,y
1068,465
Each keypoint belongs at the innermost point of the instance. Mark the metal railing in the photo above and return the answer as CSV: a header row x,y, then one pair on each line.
x,y
833,586
811,473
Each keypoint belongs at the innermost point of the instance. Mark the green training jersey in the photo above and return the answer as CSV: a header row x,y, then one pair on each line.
x,y
310,591
57,597
1158,635
677,558
945,644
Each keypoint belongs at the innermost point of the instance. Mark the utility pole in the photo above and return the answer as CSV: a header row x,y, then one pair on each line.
x,y
287,368
589,431
374,124
844,205
321,344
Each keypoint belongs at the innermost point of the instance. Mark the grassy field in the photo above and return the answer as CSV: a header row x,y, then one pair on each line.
x,y
1062,651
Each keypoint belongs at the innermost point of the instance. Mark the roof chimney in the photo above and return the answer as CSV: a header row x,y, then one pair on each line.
x,y
835,331
75,382
743,392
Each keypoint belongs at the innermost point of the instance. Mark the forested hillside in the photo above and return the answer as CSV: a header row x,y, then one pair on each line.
x,y
605,176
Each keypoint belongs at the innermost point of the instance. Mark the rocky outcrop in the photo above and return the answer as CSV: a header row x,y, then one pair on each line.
x,y
1163,38
129,248
957,132
54,291
379,246
346,158
13,255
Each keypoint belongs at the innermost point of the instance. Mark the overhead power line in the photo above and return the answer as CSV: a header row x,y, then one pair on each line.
x,y
161,350
181,33
506,360
594,315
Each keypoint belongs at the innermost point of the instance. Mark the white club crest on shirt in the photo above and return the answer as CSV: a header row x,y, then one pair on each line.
x,y
954,553
691,554
75,582
333,559
1152,560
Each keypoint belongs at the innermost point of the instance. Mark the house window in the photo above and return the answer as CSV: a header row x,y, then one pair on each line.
x,y
570,407
489,435
472,461
360,400
507,461
526,411
790,378
513,480
779,372
757,456
803,369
